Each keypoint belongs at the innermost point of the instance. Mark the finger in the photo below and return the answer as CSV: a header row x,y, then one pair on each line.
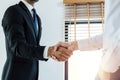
x,y
60,57
64,55
65,51
56,47
64,44
71,48
59,44
53,57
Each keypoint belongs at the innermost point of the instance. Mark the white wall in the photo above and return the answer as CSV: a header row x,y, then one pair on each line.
x,y
52,16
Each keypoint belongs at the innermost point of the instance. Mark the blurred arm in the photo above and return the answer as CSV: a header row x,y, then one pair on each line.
x,y
92,43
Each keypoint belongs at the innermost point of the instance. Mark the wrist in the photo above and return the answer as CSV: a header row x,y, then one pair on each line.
x,y
74,45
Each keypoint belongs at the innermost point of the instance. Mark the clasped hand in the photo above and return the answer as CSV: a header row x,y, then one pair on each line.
x,y
62,50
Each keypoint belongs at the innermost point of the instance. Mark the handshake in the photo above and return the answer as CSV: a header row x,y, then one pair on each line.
x,y
62,50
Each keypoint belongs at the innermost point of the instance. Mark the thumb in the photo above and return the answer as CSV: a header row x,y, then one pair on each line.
x,y
64,44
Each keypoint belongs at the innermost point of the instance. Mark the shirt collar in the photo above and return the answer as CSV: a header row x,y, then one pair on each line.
x,y
30,7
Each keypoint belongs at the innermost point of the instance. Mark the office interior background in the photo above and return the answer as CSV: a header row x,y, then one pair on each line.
x,y
53,14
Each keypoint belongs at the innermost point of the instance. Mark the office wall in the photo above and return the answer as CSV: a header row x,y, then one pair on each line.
x,y
52,16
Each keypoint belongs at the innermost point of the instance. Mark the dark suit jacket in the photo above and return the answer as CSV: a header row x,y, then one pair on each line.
x,y
22,44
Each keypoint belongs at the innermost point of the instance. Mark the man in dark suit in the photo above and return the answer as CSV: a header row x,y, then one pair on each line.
x,y
22,29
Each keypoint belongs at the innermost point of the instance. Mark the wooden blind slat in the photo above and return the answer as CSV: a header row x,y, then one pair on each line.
x,y
75,16
81,1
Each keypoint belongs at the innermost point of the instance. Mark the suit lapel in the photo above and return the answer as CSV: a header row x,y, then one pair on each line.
x,y
29,14
39,29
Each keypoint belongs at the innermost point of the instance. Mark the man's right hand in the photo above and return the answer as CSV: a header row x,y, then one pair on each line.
x,y
61,54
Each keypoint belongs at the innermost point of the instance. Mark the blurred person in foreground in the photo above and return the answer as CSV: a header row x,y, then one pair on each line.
x,y
109,41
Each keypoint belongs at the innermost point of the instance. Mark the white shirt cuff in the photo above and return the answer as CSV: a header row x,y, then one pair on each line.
x,y
45,54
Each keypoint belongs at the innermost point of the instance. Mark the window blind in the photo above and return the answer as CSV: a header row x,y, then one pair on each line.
x,y
83,20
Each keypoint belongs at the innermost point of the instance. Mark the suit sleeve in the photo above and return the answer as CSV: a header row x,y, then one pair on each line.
x,y
93,43
15,35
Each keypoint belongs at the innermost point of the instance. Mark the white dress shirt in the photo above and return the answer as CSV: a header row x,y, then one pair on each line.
x,y
30,7
110,40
